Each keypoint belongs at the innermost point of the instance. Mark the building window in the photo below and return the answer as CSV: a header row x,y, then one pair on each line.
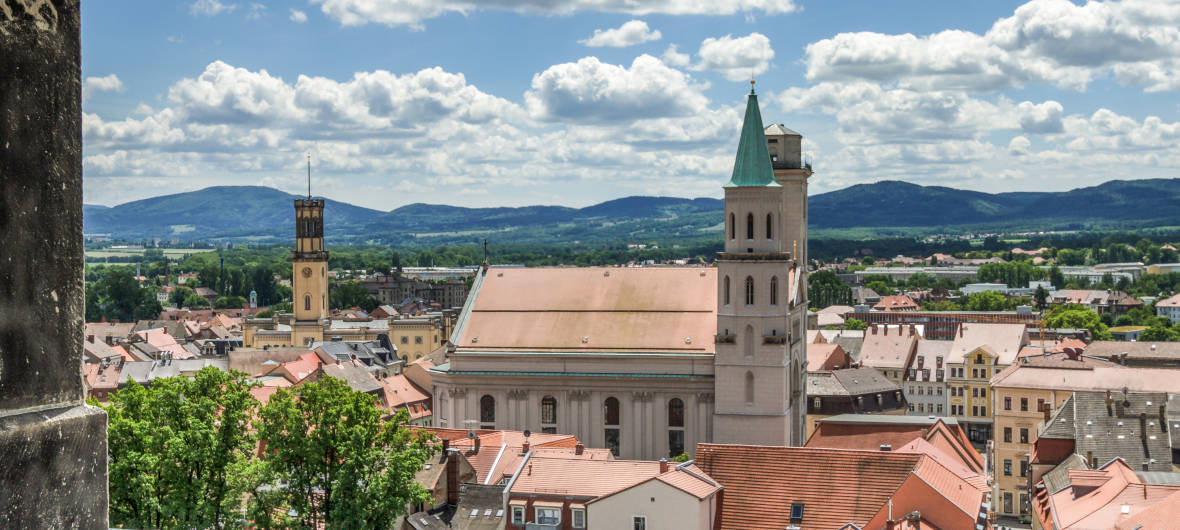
x,y
748,342
639,522
725,290
612,440
418,340
307,302
610,411
549,411
1007,434
939,390
940,408
1023,435
749,226
974,410
769,226
1024,468
579,518
550,516
1040,405
1023,404
1007,467
817,402
921,407
732,227
983,411
1007,502
983,392
749,290
675,413
405,339
749,388
1007,403
774,290
487,412
675,427
518,515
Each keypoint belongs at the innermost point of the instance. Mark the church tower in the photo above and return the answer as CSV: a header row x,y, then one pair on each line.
x,y
309,278
759,363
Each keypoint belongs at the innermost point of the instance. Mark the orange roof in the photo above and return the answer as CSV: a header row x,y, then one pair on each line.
x,y
835,486
694,482
884,347
301,367
581,477
898,302
949,440
1103,498
401,393
1160,516
263,393
593,309
824,357
1004,341
161,340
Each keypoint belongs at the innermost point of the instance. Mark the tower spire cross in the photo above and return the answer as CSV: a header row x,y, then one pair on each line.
x,y
309,175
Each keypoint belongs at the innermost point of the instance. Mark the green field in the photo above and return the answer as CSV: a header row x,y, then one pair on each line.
x,y
175,253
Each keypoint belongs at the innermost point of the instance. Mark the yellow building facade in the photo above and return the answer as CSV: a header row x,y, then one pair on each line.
x,y
968,388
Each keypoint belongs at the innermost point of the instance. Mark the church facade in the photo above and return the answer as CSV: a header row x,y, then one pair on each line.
x,y
651,361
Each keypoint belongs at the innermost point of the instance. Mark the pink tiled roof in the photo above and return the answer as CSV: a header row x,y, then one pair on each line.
x,y
1004,340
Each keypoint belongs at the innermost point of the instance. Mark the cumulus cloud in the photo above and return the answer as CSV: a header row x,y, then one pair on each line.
x,y
1045,41
1044,118
592,91
630,33
673,57
298,16
736,58
107,83
413,12
210,8
1019,146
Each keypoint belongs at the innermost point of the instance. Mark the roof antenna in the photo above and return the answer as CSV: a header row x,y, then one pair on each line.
x,y
309,175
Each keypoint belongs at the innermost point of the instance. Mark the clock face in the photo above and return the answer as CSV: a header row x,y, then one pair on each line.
x,y
307,272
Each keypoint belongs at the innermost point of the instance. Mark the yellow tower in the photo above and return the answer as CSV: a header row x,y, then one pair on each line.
x,y
309,278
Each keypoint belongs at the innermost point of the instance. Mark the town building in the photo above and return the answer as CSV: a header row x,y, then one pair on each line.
x,y
1100,301
896,302
944,325
924,385
1112,495
979,352
813,488
1146,354
939,436
651,361
889,349
1169,307
850,391
1038,384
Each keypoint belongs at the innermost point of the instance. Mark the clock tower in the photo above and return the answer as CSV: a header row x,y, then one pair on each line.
x,y
309,278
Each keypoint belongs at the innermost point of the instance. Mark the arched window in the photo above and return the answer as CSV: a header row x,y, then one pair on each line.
x,y
748,342
749,388
749,226
769,226
610,417
675,427
549,415
725,290
675,413
307,302
487,412
774,290
749,290
732,226
610,411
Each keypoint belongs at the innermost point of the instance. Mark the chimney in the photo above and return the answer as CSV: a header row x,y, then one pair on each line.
x,y
579,449
1090,459
1163,418
874,327
452,474
90,339
476,445
1108,403
1045,410
886,448
663,465
446,446
960,330
524,448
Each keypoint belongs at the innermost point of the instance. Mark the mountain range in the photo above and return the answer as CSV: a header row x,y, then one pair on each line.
x,y
255,213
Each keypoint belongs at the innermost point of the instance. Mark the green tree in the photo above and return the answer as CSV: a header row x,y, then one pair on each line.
x,y
682,457
333,461
179,295
1041,298
193,301
178,450
852,323
351,294
229,302
880,288
1078,317
1158,333
1056,278
1069,256
985,301
825,288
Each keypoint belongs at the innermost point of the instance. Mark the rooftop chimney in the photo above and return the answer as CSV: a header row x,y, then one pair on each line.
x,y
663,465
1143,426
960,330
446,445
476,445
90,339
1163,418
1090,459
886,448
1045,410
579,449
524,448
874,328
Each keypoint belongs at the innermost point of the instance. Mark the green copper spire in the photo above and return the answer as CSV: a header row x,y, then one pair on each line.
x,y
752,167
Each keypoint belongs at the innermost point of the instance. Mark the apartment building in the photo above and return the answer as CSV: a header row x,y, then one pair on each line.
x,y
979,352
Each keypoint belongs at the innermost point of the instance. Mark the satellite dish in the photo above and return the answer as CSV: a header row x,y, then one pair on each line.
x,y
527,433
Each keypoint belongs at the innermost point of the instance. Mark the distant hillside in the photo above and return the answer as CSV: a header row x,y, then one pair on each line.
x,y
259,213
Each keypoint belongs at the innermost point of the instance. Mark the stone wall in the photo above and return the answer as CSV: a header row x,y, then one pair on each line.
x,y
53,450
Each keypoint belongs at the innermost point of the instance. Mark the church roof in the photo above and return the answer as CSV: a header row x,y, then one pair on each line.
x,y
752,166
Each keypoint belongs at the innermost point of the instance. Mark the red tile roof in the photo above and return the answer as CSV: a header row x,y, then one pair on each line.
x,y
825,357
899,302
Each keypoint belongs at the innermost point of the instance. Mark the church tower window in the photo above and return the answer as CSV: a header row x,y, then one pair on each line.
x,y
307,302
749,388
769,226
675,427
725,290
732,226
610,416
549,415
774,290
748,342
487,412
749,290
750,226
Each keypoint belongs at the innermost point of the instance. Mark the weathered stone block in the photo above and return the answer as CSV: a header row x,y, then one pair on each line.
x,y
41,298
53,468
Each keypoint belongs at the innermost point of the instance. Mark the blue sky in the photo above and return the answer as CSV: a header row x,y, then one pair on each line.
x,y
573,102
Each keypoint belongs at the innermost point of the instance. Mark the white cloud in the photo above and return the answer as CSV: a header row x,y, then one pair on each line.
x,y
413,12
210,8
595,92
1044,118
107,83
1019,146
256,11
1045,41
630,33
737,59
672,57
298,16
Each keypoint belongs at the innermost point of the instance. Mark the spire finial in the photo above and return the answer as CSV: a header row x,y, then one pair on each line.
x,y
309,175
751,84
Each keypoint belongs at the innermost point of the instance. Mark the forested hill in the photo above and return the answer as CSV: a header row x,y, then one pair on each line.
x,y
264,214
